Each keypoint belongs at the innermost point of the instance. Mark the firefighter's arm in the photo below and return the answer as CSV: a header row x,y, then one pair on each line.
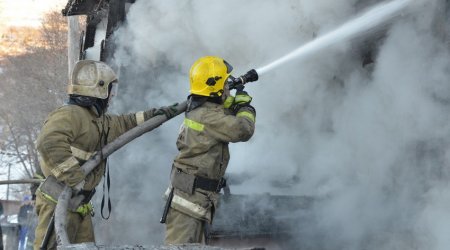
x,y
122,123
53,145
231,128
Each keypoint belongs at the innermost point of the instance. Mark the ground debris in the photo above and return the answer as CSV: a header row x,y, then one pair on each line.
x,y
92,246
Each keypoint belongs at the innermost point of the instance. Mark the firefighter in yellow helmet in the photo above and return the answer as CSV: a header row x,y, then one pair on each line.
x,y
74,132
213,119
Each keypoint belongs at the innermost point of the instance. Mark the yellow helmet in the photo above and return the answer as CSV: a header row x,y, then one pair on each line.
x,y
208,75
91,78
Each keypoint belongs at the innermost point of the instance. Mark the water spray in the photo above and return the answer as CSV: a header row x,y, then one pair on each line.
x,y
374,17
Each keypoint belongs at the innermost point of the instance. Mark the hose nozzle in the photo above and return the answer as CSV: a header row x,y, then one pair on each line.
x,y
238,83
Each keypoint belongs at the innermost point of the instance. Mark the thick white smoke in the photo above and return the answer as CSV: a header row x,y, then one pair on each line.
x,y
371,144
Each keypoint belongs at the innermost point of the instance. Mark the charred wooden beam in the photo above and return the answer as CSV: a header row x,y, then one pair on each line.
x,y
81,7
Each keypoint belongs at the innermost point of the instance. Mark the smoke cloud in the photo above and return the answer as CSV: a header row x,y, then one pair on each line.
x,y
371,144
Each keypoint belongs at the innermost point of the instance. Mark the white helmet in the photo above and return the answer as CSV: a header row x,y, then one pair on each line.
x,y
91,78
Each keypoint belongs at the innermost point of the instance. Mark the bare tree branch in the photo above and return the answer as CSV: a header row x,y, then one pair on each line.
x,y
32,84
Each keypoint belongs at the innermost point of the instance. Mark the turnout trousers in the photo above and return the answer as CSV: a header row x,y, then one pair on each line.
x,y
182,228
79,228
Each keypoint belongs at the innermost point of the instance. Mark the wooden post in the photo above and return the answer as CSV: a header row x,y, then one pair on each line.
x,y
73,41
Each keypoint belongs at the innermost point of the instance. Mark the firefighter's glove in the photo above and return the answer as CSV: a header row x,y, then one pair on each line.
x,y
168,111
85,209
242,99
228,102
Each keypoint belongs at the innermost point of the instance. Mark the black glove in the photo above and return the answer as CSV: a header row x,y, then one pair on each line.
x,y
168,111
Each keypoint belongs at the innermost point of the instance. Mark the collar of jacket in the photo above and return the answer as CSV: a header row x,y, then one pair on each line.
x,y
100,106
94,110
195,101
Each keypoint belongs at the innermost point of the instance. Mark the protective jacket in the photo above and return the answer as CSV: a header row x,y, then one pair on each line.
x,y
72,134
203,152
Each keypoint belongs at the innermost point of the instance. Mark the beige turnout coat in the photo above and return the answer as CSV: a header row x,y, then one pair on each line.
x,y
72,134
203,151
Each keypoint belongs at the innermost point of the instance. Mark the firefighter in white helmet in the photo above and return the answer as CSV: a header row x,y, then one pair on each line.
x,y
71,135
213,119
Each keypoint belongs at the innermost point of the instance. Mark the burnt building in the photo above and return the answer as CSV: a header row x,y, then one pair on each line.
x,y
241,221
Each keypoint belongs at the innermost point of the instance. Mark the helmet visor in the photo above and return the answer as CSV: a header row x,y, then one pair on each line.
x,y
229,67
113,92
